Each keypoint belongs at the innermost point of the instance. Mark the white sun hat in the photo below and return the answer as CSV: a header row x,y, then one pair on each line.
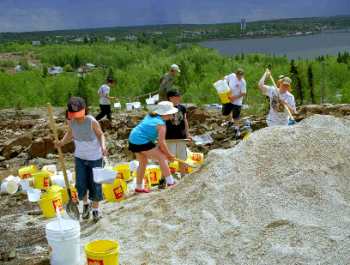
x,y
165,108
175,67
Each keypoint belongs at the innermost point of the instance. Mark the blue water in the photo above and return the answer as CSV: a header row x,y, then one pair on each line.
x,y
306,47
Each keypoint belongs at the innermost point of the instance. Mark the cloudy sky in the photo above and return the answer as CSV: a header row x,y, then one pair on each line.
x,y
33,15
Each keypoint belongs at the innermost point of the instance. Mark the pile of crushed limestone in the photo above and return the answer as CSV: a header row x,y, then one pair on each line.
x,y
280,197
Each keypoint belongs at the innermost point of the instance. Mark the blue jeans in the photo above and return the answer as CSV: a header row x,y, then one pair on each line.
x,y
85,179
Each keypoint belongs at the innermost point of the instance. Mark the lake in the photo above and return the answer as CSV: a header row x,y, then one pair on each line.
x,y
294,47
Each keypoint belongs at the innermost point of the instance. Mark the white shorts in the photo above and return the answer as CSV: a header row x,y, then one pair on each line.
x,y
177,148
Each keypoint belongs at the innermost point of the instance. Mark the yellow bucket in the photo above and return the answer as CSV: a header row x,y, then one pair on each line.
x,y
174,167
42,180
224,97
102,252
49,202
123,171
153,174
197,158
27,172
115,192
64,193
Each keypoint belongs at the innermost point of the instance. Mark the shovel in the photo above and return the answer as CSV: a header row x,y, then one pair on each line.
x,y
72,207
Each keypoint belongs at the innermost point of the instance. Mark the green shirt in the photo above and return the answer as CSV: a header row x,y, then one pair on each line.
x,y
165,86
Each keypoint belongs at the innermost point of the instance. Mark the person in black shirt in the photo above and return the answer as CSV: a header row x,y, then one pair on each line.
x,y
177,130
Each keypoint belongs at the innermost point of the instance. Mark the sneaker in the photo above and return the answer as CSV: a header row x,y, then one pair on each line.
x,y
86,211
96,216
142,190
162,184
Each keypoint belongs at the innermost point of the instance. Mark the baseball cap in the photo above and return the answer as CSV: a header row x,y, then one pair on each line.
x,y
76,107
175,67
286,80
173,93
239,71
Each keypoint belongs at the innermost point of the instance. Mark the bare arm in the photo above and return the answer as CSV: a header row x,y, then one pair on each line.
x,y
187,127
162,143
100,136
67,138
263,88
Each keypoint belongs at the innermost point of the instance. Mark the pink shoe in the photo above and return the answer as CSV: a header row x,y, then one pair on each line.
x,y
142,190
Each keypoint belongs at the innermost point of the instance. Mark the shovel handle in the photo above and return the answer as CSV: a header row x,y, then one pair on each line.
x,y
59,149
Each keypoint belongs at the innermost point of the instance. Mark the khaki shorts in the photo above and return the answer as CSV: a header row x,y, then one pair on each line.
x,y
177,148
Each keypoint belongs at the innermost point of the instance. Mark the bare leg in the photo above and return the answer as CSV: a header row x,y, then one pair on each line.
x,y
142,158
156,154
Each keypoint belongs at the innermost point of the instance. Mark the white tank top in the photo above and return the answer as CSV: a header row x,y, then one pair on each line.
x,y
87,146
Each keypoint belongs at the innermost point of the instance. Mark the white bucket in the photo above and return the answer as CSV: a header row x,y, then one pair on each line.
x,y
59,179
117,105
136,105
10,187
50,168
25,184
33,195
129,106
104,175
64,239
221,86
134,165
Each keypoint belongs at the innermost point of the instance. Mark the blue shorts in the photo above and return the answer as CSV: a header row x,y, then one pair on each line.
x,y
85,179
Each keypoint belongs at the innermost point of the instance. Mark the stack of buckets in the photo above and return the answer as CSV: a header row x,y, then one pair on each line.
x,y
116,191
153,175
223,91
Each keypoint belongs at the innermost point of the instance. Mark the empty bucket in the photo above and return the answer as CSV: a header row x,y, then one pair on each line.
x,y
50,168
50,202
25,184
63,237
27,172
42,180
102,252
10,187
129,106
103,175
33,195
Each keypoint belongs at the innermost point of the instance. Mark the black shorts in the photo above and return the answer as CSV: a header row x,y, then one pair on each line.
x,y
137,148
235,109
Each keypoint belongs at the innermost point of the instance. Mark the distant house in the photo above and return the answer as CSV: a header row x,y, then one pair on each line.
x,y
110,39
36,42
19,68
55,70
78,40
90,66
131,37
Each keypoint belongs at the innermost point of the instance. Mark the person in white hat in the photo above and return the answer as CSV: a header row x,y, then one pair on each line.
x,y
142,142
167,81
280,98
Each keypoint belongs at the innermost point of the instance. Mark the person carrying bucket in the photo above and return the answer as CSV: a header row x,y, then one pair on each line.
x,y
280,99
142,142
166,83
238,87
90,147
177,130
105,99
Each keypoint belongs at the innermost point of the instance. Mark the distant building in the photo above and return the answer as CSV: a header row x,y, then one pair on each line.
x,y
36,42
78,40
243,24
110,39
18,68
55,70
131,37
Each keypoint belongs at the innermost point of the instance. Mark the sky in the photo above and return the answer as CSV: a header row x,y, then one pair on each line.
x,y
36,15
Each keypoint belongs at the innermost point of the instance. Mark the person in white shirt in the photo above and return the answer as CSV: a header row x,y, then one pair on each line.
x,y
238,87
280,99
105,100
